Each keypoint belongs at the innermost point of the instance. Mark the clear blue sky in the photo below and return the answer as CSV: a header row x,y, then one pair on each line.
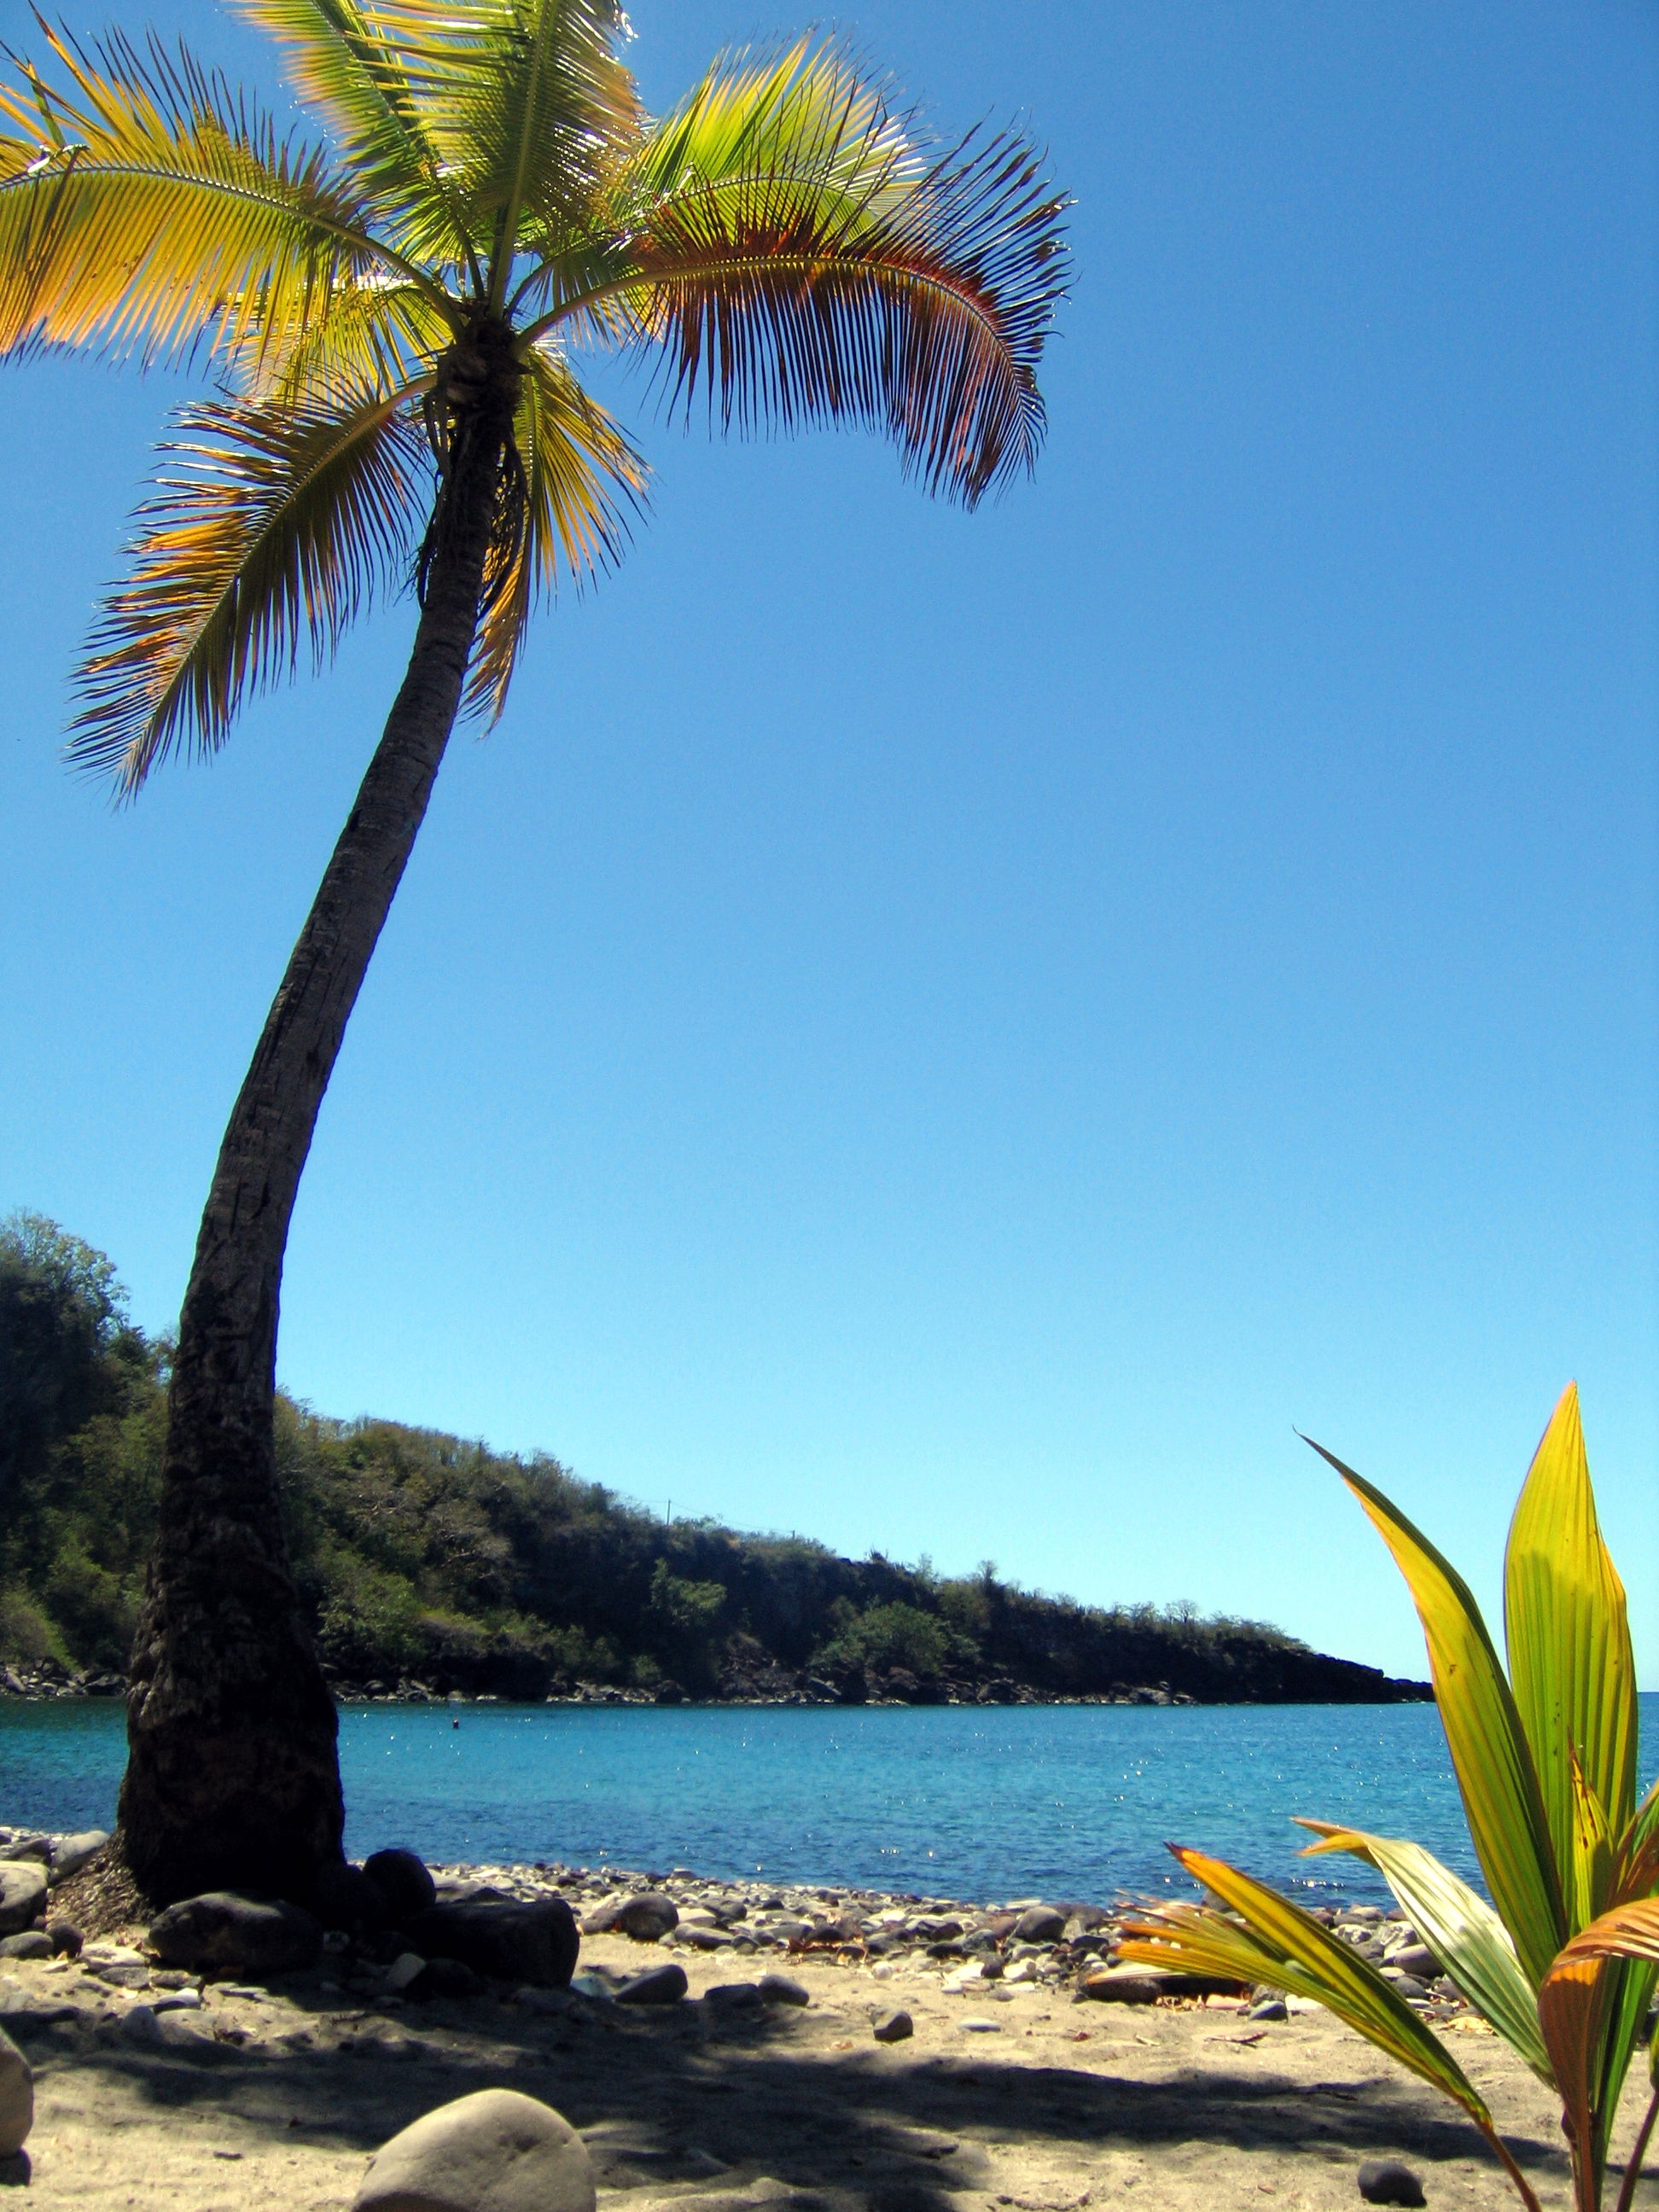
x,y
954,1033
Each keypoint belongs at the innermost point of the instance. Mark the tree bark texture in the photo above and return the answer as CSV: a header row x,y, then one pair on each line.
x,y
233,1777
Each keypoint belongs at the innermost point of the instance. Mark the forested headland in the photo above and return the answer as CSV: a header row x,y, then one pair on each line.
x,y
431,1564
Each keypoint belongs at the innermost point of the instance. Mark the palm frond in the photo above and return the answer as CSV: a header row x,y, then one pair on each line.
x,y
802,255
1461,1929
524,100
1584,1992
379,332
158,208
341,62
273,526
1490,1749
583,481
1280,1944
1568,1638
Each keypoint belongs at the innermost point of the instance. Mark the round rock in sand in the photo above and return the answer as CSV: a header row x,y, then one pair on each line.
x,y
496,2151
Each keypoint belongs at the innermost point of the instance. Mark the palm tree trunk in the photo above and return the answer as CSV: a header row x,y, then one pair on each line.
x,y
233,1779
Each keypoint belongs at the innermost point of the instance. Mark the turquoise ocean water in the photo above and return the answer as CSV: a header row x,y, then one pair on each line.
x,y
960,1801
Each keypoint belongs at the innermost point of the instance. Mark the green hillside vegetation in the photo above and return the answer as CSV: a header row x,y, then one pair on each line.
x,y
430,1563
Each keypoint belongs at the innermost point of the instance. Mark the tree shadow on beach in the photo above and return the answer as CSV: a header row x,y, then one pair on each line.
x,y
728,2107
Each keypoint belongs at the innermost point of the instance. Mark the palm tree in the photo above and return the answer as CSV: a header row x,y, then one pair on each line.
x,y
390,316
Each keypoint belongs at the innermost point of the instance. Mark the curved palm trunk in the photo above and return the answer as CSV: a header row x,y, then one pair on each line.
x,y
232,1776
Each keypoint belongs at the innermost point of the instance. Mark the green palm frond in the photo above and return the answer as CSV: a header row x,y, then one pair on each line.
x,y
159,210
273,526
801,257
1281,1944
525,102
1461,1929
583,481
379,332
1489,1747
340,61
1571,1662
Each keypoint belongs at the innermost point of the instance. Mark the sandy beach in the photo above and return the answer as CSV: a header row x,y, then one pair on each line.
x,y
1027,2097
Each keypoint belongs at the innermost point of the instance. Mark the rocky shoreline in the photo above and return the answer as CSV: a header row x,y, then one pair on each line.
x,y
47,1679
378,1915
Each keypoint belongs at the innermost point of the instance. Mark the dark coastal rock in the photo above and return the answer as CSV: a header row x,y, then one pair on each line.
x,y
1389,2181
1416,1959
345,1897
404,1883
646,1918
658,1985
783,1988
1123,1986
537,1944
892,2024
668,1693
1043,1924
495,2151
16,2098
33,1943
22,1894
66,1938
230,1934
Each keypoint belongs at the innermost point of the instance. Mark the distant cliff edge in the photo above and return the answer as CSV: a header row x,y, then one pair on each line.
x,y
432,1566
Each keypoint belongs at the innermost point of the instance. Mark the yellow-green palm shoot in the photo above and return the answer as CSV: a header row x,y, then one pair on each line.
x,y
397,313
1561,1962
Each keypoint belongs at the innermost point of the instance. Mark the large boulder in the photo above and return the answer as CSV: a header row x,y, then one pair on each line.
x,y
405,1886
495,2151
16,2098
235,1936
537,1943
22,1894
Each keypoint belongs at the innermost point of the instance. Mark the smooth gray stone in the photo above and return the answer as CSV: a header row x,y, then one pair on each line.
x,y
22,1894
16,2097
495,2151
227,1932
33,1943
73,1852
783,1988
895,2025
1043,1924
665,1984
646,1918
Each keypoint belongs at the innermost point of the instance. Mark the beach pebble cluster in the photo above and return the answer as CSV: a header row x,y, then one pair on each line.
x,y
983,1951
394,1931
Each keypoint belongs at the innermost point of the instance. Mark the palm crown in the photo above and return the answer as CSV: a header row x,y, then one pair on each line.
x,y
491,199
